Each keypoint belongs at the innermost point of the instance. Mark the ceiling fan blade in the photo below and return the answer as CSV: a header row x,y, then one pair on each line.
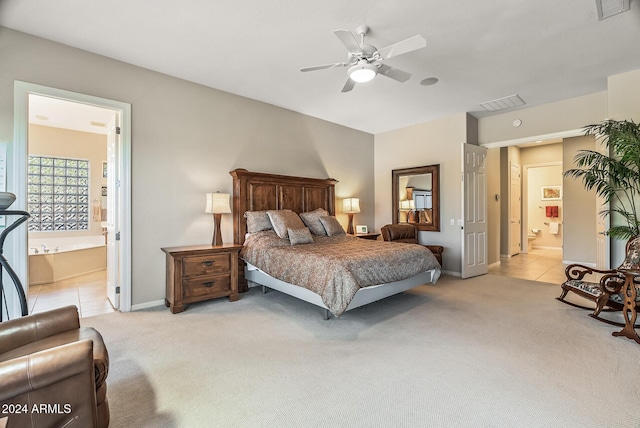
x,y
322,67
403,47
394,73
348,85
348,40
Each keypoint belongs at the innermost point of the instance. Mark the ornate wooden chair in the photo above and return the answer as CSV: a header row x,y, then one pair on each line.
x,y
605,292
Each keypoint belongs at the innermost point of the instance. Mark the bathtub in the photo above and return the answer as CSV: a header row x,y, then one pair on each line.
x,y
55,259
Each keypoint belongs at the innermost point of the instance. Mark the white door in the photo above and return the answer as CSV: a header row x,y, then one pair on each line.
x,y
474,190
113,212
515,210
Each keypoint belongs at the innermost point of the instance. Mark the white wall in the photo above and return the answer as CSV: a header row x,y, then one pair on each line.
x,y
437,142
185,140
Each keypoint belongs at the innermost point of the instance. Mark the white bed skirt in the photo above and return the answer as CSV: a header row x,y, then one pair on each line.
x,y
364,296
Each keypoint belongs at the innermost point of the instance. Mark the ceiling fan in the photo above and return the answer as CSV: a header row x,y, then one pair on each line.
x,y
365,61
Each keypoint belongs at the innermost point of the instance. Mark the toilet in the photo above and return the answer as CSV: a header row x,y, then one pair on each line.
x,y
531,236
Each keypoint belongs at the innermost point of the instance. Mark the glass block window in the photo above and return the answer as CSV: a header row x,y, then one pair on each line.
x,y
58,194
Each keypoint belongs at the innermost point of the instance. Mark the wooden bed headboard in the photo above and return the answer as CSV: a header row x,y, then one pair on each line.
x,y
257,191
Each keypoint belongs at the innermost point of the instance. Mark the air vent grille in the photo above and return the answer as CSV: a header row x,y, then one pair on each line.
x,y
502,103
608,8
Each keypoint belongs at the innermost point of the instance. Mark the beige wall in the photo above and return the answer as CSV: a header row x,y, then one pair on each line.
x,y
185,140
437,142
624,99
48,141
580,212
560,116
494,196
624,103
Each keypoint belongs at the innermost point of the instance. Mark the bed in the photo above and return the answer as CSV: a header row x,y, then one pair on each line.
x,y
337,273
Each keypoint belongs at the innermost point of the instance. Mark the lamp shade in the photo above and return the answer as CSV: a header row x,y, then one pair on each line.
x,y
407,204
217,203
350,205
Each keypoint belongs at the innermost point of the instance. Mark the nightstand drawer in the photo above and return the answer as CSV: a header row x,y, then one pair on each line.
x,y
195,288
206,265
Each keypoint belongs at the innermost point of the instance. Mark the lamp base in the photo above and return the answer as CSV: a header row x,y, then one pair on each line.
x,y
217,234
350,227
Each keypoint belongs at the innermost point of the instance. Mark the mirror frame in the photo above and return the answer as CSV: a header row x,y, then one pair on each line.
x,y
435,184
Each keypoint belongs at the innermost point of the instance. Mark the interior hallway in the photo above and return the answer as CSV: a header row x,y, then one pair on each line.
x,y
87,292
536,265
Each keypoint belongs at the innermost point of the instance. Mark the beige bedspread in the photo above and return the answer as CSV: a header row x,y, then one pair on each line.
x,y
336,267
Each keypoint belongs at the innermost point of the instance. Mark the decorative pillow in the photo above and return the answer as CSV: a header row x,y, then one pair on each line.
x,y
257,221
282,220
300,236
312,220
332,226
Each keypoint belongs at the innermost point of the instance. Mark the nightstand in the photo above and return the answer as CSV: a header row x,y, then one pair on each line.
x,y
201,272
372,236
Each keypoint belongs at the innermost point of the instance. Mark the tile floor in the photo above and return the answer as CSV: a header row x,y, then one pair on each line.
x,y
536,265
87,292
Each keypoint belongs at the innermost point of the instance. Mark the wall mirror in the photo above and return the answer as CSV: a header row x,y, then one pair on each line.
x,y
416,196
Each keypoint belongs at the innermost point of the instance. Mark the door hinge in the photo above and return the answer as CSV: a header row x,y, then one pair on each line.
x,y
118,290
117,236
117,130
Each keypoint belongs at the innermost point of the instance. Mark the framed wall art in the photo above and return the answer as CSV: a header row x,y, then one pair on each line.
x,y
551,193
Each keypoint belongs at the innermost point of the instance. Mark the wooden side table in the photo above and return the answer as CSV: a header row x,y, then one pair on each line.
x,y
629,294
372,236
201,272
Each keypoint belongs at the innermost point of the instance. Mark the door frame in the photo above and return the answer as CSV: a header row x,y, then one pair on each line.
x,y
18,241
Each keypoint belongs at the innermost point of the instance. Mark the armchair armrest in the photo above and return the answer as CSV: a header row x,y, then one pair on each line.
x,y
20,331
578,271
51,388
30,372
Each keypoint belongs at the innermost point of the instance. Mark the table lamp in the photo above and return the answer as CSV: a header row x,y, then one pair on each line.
x,y
217,204
350,206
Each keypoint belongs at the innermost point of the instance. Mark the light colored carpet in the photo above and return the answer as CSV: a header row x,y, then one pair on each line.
x,y
490,351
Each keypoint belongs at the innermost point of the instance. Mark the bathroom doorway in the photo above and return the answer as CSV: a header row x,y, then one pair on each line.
x,y
67,191
543,206
83,218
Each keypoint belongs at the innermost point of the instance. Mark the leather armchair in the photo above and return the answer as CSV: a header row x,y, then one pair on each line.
x,y
53,372
408,234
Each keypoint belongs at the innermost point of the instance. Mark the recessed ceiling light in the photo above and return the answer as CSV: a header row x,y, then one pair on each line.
x,y
41,117
429,81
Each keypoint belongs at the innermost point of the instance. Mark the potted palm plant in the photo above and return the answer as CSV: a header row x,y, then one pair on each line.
x,y
614,175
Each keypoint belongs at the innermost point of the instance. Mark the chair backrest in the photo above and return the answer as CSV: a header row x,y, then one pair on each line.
x,y
399,233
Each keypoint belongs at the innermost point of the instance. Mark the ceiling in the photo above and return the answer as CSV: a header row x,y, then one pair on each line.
x,y
543,51
58,113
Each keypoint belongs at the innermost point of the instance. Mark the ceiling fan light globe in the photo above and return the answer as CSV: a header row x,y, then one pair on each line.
x,y
362,73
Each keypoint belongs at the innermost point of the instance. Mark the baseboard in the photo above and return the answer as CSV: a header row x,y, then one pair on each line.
x,y
569,262
448,272
147,305
494,264
542,247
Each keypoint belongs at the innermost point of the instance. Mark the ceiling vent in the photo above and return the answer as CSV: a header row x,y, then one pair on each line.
x,y
608,8
502,103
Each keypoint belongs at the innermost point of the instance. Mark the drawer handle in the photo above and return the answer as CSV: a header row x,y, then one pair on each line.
x,y
209,284
208,263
